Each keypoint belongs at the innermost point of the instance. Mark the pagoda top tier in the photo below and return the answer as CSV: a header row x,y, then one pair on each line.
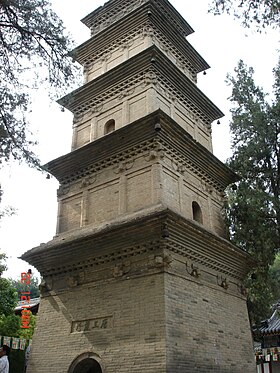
x,y
150,25
114,10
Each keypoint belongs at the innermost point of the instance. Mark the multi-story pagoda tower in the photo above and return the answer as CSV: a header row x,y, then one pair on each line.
x,y
140,276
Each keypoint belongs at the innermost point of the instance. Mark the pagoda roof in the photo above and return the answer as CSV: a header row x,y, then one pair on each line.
x,y
88,246
271,325
80,162
116,80
115,33
114,10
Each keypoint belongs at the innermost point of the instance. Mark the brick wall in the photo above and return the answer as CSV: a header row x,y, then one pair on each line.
x,y
133,338
207,329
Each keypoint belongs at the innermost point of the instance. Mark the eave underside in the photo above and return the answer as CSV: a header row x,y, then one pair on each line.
x,y
185,238
120,30
114,8
150,60
82,161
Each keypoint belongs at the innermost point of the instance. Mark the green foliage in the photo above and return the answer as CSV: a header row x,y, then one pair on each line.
x,y
254,207
10,325
33,287
28,332
254,12
274,273
34,52
3,266
8,295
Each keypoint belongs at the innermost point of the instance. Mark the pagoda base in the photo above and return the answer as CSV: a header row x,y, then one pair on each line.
x,y
157,293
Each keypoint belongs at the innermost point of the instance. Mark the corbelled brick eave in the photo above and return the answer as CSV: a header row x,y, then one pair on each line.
x,y
82,161
83,98
112,9
74,249
119,30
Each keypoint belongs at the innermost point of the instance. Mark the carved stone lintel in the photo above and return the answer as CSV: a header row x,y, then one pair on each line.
x,y
178,167
152,155
75,280
222,281
72,281
193,270
150,78
124,166
45,286
155,153
182,169
87,181
63,190
172,97
243,290
206,187
122,269
126,93
78,118
120,168
96,108
161,261
148,31
174,165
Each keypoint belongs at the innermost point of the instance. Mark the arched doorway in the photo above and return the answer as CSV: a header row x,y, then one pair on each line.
x,y
87,365
87,362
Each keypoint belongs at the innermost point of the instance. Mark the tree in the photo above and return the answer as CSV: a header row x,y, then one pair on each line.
x,y
8,295
10,324
251,12
254,207
34,50
274,273
33,287
3,266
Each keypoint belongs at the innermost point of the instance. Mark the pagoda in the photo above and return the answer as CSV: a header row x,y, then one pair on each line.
x,y
140,275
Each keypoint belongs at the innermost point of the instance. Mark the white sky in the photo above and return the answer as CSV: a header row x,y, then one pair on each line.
x,y
219,39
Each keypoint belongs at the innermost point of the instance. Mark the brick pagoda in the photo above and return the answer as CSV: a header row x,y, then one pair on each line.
x,y
140,275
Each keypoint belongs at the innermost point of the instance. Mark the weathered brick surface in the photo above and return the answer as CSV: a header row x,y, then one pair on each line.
x,y
144,183
207,329
135,340
159,322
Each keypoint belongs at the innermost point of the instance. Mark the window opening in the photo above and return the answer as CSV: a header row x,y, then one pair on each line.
x,y
197,212
109,126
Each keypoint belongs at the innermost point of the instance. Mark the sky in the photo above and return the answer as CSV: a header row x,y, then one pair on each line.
x,y
221,41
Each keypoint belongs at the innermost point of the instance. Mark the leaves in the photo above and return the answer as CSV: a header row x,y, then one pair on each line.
x,y
8,294
8,298
251,12
34,51
33,287
253,208
10,324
